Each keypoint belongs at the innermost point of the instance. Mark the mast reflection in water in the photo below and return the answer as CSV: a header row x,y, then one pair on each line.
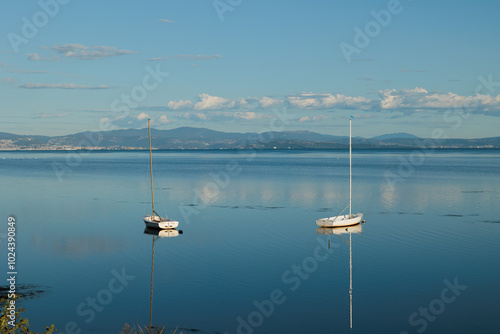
x,y
156,233
340,231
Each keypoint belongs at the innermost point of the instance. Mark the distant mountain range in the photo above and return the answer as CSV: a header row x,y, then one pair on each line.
x,y
396,135
189,138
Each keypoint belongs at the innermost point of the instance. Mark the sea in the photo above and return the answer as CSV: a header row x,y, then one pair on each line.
x,y
247,256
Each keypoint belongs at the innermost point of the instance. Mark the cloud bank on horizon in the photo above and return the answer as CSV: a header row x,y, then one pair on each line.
x,y
405,100
398,103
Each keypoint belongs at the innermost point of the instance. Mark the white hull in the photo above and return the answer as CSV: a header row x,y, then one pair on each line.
x,y
169,233
338,221
339,230
159,222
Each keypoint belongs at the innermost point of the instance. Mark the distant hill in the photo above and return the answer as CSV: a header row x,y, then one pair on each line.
x,y
202,138
396,135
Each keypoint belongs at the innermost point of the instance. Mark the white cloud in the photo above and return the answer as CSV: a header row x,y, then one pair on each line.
x,y
268,102
166,21
163,119
201,116
312,119
105,120
84,52
402,101
181,104
126,121
61,86
328,101
300,101
142,116
209,102
418,98
248,115
36,57
194,116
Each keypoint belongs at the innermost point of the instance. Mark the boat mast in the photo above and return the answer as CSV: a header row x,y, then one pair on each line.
x,y
151,168
350,166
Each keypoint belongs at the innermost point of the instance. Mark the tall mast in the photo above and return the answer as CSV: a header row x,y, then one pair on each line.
x,y
151,167
350,166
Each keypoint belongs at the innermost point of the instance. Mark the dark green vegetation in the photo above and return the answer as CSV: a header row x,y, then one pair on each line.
x,y
13,322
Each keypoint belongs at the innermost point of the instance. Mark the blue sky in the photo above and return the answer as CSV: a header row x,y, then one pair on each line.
x,y
398,66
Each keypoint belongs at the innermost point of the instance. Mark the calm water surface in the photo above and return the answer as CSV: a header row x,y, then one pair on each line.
x,y
250,259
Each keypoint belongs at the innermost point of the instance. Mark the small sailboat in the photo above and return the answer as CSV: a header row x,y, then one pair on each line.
x,y
155,220
350,219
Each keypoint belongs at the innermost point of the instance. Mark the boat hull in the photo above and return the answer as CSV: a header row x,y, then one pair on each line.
x,y
339,230
168,233
160,223
338,221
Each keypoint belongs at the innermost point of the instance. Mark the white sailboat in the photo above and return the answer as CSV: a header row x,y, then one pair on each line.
x,y
155,220
350,219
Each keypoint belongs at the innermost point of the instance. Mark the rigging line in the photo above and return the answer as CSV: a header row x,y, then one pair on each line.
x,y
348,205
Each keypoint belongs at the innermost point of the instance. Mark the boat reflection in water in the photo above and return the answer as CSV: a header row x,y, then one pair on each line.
x,y
341,231
157,233
163,233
